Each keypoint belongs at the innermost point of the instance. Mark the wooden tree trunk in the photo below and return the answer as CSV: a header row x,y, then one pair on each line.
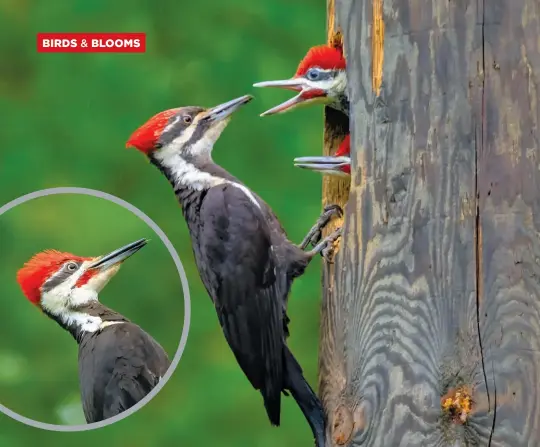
x,y
431,326
335,191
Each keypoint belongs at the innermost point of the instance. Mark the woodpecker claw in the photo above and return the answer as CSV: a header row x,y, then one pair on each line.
x,y
315,233
328,254
326,246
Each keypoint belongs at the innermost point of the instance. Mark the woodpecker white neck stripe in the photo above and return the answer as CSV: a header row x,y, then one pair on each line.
x,y
86,322
247,192
105,324
187,174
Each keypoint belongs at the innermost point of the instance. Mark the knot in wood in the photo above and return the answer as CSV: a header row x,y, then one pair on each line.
x,y
457,403
342,425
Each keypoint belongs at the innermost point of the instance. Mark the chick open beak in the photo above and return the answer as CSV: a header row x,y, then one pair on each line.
x,y
324,164
307,94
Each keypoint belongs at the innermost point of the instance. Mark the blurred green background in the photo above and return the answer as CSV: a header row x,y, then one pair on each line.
x,y
65,120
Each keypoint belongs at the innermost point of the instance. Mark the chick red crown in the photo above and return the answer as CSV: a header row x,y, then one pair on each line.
x,y
323,56
344,148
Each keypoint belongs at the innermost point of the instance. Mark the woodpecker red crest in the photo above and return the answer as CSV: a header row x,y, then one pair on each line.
x,y
40,267
145,137
322,56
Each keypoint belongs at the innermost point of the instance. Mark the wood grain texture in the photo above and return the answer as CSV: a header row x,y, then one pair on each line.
x,y
437,283
335,191
509,219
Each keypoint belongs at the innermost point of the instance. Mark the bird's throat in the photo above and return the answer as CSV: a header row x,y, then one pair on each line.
x,y
88,319
183,174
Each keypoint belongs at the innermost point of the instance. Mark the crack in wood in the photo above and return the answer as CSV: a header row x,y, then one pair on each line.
x,y
479,148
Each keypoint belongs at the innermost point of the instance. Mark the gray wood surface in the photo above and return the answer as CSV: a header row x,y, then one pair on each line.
x,y
437,281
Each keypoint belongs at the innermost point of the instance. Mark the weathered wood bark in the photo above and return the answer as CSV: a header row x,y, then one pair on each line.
x,y
437,282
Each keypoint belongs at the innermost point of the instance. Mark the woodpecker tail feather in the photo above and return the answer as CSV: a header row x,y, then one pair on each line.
x,y
272,404
305,397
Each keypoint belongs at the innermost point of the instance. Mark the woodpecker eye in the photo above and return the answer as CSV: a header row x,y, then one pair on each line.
x,y
187,119
312,74
71,267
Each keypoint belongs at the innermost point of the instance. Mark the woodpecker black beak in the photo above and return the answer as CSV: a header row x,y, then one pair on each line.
x,y
226,109
118,256
307,94
324,164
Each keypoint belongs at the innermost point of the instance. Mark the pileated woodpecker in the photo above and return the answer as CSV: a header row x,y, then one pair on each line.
x,y
338,164
320,79
119,363
244,258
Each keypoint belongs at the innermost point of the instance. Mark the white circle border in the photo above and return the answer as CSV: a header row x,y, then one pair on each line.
x,y
187,307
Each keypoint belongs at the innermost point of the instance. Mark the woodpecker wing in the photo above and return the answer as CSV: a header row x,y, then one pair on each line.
x,y
243,276
118,367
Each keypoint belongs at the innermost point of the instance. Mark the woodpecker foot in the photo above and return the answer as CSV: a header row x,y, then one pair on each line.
x,y
326,246
314,235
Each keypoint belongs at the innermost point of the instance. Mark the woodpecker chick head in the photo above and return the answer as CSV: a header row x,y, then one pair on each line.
x,y
62,283
319,79
339,164
189,132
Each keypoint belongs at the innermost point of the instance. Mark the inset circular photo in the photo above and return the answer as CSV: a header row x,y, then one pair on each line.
x,y
95,305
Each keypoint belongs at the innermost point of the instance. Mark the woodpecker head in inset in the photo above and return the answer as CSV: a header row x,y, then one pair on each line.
x,y
338,164
182,139
61,284
319,79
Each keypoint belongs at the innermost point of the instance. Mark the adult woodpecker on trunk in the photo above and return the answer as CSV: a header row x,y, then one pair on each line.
x,y
321,78
244,258
119,363
338,164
